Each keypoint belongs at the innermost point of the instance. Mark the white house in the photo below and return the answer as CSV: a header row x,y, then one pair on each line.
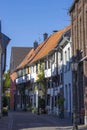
x,y
60,68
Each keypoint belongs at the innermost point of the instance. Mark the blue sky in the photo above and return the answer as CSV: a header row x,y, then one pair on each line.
x,y
25,21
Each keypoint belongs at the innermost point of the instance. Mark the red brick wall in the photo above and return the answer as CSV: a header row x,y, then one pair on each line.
x,y
79,47
12,90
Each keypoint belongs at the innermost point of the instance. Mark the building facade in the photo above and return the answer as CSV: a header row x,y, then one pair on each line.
x,y
78,12
59,76
15,60
51,54
4,40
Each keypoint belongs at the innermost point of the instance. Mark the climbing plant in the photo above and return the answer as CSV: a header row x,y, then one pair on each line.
x,y
41,78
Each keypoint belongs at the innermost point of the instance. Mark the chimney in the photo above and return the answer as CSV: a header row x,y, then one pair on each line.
x,y
35,45
45,36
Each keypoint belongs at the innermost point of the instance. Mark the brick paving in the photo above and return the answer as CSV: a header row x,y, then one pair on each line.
x,y
6,122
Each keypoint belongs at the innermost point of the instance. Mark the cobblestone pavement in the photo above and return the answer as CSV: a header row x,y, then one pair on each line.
x,y
29,121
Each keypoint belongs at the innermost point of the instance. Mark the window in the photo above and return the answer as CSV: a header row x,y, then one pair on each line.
x,y
40,65
61,78
19,73
51,84
58,81
68,53
48,100
36,68
80,46
61,56
49,64
65,61
45,65
48,84
27,70
31,69
23,71
68,59
65,57
53,58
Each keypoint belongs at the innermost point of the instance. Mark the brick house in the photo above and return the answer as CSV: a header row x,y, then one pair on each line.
x,y
78,12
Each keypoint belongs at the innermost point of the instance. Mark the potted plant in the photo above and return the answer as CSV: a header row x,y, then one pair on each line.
x,y
5,111
34,109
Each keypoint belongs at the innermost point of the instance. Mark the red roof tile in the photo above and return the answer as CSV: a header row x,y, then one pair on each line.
x,y
30,56
51,43
44,48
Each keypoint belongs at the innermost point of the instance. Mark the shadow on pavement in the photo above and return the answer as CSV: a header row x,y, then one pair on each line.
x,y
28,121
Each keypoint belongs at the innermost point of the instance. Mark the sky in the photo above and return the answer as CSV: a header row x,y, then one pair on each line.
x,y
25,21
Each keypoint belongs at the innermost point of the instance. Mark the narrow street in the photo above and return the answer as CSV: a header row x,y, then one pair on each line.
x,y
29,121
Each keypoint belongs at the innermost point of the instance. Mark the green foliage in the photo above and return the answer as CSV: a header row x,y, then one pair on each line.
x,y
41,74
34,109
6,82
41,78
5,111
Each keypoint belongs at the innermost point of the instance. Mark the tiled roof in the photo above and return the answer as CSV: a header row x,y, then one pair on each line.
x,y
51,43
44,48
17,55
26,59
30,56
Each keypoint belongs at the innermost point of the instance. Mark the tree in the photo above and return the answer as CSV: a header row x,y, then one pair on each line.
x,y
41,78
42,82
6,82
6,86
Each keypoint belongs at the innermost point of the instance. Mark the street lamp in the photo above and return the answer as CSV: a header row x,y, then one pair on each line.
x,y
74,66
